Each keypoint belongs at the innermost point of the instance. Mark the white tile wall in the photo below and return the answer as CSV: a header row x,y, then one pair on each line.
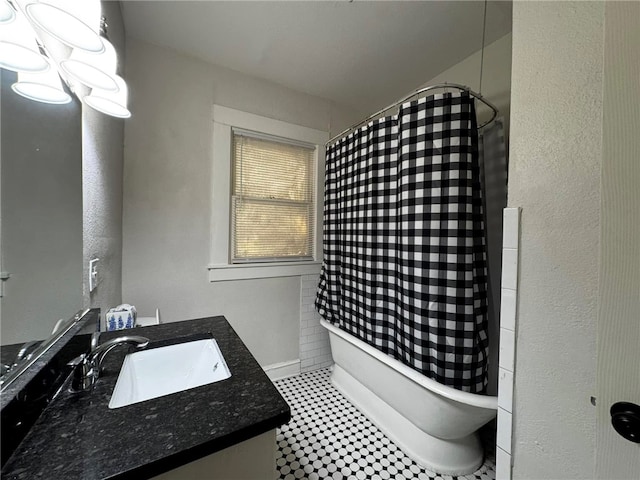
x,y
503,436
508,328
510,228
314,339
505,389
503,465
510,268
507,349
508,309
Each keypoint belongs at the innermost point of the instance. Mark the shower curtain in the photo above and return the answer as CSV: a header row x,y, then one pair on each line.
x,y
404,265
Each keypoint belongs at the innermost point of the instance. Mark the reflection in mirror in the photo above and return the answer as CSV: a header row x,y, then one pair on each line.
x,y
41,217
30,387
26,358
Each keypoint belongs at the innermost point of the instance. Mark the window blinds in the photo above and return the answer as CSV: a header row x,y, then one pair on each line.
x,y
272,200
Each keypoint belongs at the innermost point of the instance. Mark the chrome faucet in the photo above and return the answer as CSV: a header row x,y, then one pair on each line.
x,y
88,365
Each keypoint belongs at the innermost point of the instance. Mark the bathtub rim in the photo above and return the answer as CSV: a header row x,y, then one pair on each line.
x,y
473,399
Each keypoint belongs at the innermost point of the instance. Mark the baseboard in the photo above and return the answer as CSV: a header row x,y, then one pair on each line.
x,y
282,369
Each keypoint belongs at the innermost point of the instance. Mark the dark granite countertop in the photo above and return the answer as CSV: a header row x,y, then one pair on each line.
x,y
79,437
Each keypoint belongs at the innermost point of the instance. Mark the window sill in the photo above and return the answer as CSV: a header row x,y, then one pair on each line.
x,y
219,273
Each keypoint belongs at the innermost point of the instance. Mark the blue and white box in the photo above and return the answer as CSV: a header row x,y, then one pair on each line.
x,y
120,317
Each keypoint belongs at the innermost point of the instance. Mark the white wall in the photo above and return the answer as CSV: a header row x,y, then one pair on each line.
x,y
555,160
619,279
167,192
496,76
102,164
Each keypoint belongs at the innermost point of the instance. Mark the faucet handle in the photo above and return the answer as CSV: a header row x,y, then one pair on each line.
x,y
77,361
95,338
83,375
88,365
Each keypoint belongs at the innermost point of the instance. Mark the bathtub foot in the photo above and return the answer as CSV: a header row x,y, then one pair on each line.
x,y
452,457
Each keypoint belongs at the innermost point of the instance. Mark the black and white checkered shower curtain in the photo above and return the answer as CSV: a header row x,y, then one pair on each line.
x,y
404,264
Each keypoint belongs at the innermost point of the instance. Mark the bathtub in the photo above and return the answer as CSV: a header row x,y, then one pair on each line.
x,y
434,424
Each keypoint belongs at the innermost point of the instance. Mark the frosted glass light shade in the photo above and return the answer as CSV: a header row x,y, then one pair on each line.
x,y
66,21
7,13
42,87
95,71
18,48
110,103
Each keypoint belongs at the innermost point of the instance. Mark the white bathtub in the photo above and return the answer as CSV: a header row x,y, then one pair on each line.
x,y
434,424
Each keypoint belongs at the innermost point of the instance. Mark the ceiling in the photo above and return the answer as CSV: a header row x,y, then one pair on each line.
x,y
360,54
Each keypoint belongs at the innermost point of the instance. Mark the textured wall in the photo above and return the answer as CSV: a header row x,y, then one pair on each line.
x,y
619,301
555,159
102,160
167,194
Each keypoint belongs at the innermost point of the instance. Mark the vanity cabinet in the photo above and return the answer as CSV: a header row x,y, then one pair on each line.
x,y
253,459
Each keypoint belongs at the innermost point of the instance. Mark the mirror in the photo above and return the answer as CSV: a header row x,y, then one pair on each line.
x,y
61,206
70,327
41,218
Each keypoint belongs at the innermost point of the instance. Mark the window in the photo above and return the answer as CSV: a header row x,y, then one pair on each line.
x,y
272,203
267,185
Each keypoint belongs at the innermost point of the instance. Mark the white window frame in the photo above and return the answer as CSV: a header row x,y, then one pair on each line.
x,y
225,119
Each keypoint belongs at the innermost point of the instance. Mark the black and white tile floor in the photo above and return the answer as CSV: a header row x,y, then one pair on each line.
x,y
328,438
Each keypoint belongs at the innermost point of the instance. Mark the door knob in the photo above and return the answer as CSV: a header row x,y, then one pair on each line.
x,y
625,418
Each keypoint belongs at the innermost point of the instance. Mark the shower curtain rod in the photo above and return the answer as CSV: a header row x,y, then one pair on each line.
x,y
438,86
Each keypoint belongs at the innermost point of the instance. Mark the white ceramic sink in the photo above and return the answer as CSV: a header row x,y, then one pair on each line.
x,y
164,370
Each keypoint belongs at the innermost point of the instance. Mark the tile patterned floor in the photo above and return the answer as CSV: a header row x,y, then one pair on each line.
x,y
328,438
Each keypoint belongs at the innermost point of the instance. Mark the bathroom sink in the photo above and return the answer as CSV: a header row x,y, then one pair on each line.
x,y
160,371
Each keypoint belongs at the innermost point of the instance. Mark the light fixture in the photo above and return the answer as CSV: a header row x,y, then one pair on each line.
x,y
78,29
42,87
64,39
7,13
95,71
111,103
18,47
